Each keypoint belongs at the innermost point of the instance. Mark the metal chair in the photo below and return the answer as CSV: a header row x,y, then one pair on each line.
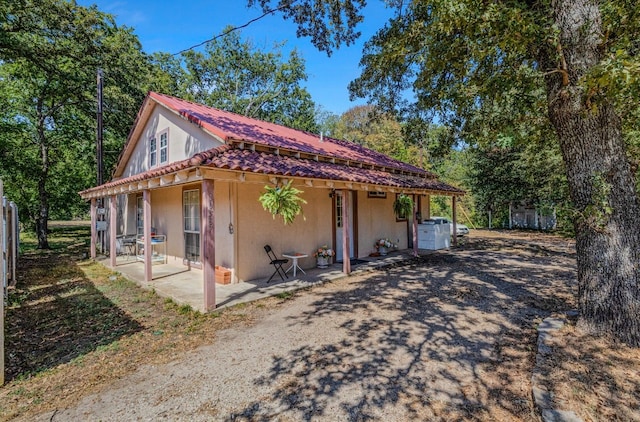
x,y
277,263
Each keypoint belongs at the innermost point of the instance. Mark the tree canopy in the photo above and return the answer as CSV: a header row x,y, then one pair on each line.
x,y
506,70
50,53
234,75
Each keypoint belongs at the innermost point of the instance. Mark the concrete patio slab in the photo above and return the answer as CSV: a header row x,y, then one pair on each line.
x,y
184,285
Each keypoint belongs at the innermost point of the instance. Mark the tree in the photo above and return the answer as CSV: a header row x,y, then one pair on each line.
x,y
50,51
234,75
571,61
365,126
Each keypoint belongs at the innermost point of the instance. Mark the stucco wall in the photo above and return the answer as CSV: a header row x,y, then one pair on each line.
x,y
166,218
237,203
185,139
377,220
256,228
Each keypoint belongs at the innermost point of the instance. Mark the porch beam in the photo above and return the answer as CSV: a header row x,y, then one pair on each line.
x,y
146,217
112,230
208,245
94,228
181,176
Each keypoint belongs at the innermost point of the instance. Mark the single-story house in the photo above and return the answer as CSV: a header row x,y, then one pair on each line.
x,y
189,178
525,215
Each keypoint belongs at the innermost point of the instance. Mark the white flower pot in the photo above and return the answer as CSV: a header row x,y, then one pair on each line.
x,y
383,250
322,262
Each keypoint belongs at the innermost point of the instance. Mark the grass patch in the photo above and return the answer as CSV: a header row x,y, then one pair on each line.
x,y
285,295
73,325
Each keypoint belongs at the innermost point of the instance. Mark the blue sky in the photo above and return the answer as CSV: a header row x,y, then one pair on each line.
x,y
172,26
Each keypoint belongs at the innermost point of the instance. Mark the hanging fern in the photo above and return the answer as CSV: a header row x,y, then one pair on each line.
x,y
403,206
284,201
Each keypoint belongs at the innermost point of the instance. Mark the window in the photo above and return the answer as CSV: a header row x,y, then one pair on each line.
x,y
153,152
191,213
376,194
162,150
164,147
139,216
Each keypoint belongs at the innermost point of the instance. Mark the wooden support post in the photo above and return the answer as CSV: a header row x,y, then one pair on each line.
x,y
94,228
454,217
427,208
346,253
112,230
208,246
148,253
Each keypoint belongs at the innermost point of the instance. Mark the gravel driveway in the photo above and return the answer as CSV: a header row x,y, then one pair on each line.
x,y
449,337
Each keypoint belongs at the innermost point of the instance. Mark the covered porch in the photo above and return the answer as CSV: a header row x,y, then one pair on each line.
x,y
184,286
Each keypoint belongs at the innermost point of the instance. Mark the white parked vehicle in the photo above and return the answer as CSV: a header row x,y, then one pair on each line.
x,y
461,229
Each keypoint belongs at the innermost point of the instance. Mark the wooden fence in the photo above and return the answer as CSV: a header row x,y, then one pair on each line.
x,y
9,244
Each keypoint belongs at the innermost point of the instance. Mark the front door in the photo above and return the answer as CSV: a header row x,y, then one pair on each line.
x,y
191,216
339,221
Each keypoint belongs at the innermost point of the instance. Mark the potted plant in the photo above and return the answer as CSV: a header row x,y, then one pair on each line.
x,y
383,245
322,256
282,200
403,206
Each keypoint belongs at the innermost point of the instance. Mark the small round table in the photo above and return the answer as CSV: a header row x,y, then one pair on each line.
x,y
295,256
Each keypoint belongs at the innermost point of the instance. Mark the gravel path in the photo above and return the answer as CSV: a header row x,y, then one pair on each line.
x,y
450,337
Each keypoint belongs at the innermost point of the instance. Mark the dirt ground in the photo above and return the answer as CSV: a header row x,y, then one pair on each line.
x,y
451,336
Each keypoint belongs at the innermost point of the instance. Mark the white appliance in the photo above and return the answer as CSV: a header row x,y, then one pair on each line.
x,y
433,236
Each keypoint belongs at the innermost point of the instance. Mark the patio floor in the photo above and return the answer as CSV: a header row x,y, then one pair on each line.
x,y
184,285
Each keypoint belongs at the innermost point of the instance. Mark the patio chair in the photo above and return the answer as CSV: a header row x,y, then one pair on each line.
x,y
277,263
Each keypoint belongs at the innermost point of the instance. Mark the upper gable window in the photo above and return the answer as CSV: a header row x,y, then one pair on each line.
x,y
159,149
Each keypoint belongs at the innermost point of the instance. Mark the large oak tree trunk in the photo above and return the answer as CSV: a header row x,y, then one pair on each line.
x,y
600,180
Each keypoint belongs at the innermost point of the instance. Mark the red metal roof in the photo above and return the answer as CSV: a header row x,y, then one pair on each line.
x,y
231,126
234,127
227,157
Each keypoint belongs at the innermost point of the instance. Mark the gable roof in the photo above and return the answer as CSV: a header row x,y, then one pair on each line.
x,y
281,151
235,127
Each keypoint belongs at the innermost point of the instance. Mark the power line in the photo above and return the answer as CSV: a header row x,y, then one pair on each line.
x,y
235,28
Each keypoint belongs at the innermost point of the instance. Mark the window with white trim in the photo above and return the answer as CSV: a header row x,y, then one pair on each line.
x,y
164,147
159,149
191,215
153,152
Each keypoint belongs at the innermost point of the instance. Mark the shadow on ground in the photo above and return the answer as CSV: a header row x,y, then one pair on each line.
x,y
450,337
55,314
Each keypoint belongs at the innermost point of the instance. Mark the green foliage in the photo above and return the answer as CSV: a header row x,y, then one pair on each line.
x,y
234,75
403,206
326,34
283,201
50,51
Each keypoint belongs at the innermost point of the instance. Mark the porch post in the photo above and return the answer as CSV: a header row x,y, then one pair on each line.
x,y
454,217
346,253
427,208
94,236
112,230
208,245
415,226
146,210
